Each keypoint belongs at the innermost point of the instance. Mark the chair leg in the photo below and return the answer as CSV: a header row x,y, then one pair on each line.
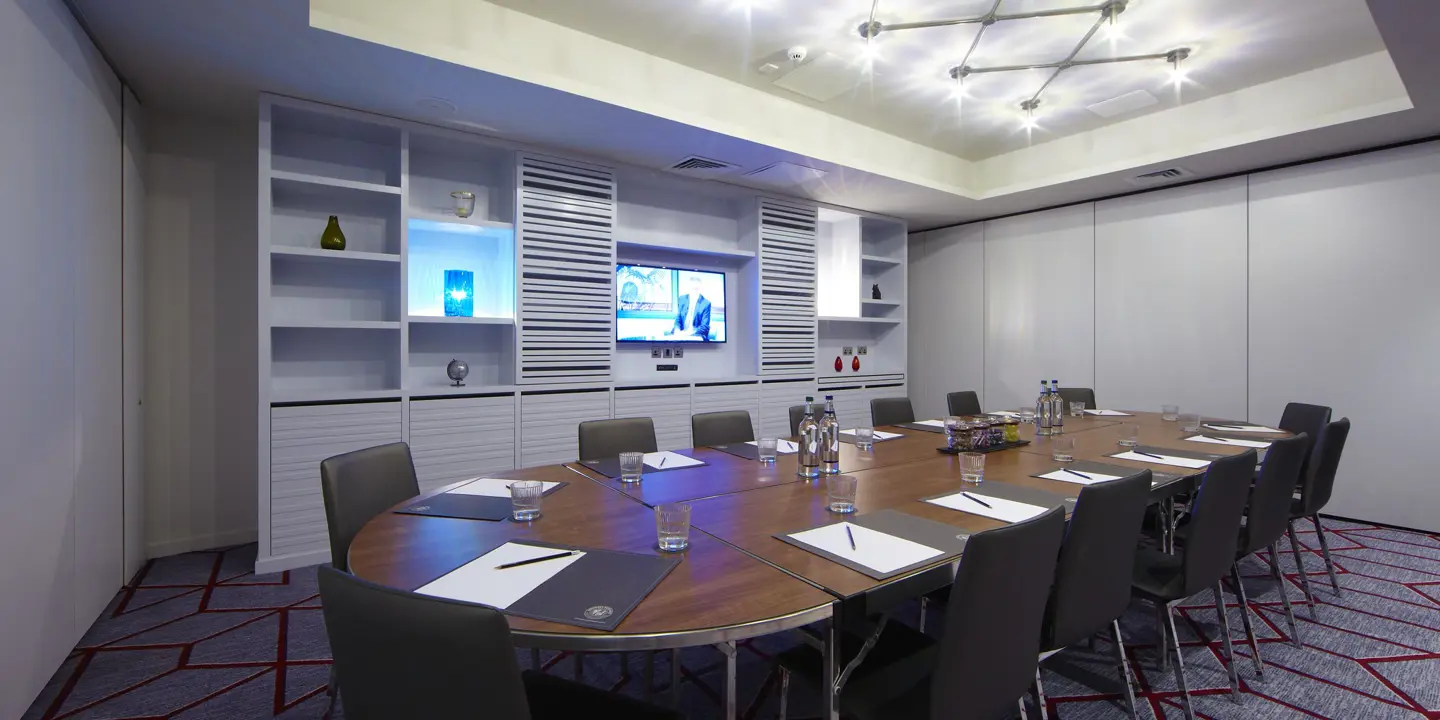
x,y
332,689
675,678
1160,650
924,605
1040,695
1023,715
1179,663
1245,617
579,666
1325,549
1284,596
1224,617
1300,567
784,691
535,660
1123,665
650,676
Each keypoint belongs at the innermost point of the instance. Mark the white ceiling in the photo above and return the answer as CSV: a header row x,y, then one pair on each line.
x,y
906,91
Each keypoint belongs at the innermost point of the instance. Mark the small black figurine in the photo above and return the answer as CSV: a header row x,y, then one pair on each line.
x,y
875,291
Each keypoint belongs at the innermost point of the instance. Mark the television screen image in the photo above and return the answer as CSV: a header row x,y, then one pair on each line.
x,y
654,304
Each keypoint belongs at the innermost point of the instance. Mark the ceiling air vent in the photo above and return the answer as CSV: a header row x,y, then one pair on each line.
x,y
1160,177
696,165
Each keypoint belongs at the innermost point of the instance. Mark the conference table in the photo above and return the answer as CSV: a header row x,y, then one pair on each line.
x,y
736,580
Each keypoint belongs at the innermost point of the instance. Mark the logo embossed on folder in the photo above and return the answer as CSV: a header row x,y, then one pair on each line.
x,y
599,612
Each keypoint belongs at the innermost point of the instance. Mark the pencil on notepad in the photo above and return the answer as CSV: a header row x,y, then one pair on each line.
x,y
978,500
1142,452
542,558
850,535
1072,472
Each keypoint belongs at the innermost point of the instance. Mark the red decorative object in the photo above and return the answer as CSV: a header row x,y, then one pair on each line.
x,y
855,364
838,364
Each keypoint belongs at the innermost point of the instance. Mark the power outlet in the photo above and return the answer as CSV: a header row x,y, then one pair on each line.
x,y
669,353
679,353
655,353
863,350
847,351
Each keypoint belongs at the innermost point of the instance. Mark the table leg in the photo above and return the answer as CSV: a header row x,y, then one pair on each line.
x,y
650,676
829,700
728,648
535,660
675,678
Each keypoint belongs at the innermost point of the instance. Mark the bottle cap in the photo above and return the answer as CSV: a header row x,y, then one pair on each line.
x,y
809,398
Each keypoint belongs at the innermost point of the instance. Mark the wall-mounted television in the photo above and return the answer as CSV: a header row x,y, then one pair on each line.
x,y
658,304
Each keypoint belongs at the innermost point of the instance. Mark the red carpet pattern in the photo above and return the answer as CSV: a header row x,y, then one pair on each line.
x,y
199,636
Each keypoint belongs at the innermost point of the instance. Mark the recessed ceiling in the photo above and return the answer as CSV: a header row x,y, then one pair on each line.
x,y
907,92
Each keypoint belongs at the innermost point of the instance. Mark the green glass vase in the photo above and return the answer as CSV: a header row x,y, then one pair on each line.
x,y
332,238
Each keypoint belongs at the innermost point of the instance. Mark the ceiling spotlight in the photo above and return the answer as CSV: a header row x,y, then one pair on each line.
x,y
958,74
1176,58
1029,122
1111,13
870,30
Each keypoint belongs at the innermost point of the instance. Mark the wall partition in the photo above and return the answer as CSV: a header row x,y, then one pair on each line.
x,y
1230,298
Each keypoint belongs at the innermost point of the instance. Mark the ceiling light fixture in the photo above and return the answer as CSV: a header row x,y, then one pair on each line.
x,y
1108,12
1028,122
1178,74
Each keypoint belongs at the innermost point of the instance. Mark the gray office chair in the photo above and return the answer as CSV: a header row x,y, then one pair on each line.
x,y
1087,395
1315,489
891,411
962,403
721,428
1311,420
360,485
403,655
979,668
797,413
1265,522
602,439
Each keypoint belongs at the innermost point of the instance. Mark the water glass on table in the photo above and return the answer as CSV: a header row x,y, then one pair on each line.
x,y
1077,408
672,526
1170,413
767,449
840,491
865,437
632,466
1190,422
1127,434
1062,449
525,500
972,467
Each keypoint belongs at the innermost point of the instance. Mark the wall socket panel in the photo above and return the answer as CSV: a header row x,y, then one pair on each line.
x,y
847,351
655,353
669,352
862,350
679,353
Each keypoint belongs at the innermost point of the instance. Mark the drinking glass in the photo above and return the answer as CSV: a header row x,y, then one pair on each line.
x,y
1127,434
632,466
1062,450
1077,408
672,526
972,467
840,492
1027,416
865,437
1190,422
525,499
767,449
1170,413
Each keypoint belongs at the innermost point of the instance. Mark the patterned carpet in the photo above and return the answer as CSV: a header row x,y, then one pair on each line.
x,y
199,636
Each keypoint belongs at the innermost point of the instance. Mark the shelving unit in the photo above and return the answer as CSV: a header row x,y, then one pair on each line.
x,y
306,254
443,320
858,320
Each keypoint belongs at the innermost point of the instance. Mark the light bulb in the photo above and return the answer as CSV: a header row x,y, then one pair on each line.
x,y
870,51
958,91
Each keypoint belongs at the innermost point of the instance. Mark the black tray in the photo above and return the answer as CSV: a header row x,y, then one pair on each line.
x,y
992,448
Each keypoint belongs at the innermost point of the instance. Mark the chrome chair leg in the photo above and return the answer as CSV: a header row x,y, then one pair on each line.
x,y
1325,549
1284,596
1040,695
1224,618
1179,663
1123,665
1160,651
924,605
784,691
1023,715
332,689
1245,618
1300,567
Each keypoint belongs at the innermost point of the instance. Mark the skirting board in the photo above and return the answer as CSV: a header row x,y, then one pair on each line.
x,y
200,542
290,562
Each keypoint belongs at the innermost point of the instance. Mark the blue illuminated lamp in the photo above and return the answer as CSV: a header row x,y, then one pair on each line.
x,y
459,293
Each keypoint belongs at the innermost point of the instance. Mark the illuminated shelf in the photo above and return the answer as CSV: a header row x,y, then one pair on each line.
x,y
881,303
337,324
872,320
472,221
298,180
878,260
461,320
305,254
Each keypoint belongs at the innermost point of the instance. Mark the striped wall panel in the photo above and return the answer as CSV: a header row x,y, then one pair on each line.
x,y
668,407
566,242
787,288
550,421
776,397
459,438
302,436
728,396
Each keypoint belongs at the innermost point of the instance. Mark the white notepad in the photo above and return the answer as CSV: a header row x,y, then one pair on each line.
x,y
879,434
1004,413
479,582
930,423
668,460
1107,413
782,447
1163,459
1228,441
881,552
1000,509
1242,428
493,487
1095,477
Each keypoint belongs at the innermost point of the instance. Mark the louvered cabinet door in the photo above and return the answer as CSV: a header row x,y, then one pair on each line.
x,y
787,288
566,237
668,407
550,423
302,436
776,397
456,439
718,397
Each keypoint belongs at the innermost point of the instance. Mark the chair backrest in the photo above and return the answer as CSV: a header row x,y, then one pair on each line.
x,y
1215,515
721,428
1311,420
603,439
359,485
1093,577
1315,490
891,410
797,413
1070,395
989,652
1270,498
403,655
964,402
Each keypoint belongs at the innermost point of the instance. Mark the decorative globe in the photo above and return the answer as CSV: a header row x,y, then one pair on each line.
x,y
457,370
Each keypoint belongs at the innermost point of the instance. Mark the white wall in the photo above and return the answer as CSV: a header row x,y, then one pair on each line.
x,y
60,369
201,314
1313,284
